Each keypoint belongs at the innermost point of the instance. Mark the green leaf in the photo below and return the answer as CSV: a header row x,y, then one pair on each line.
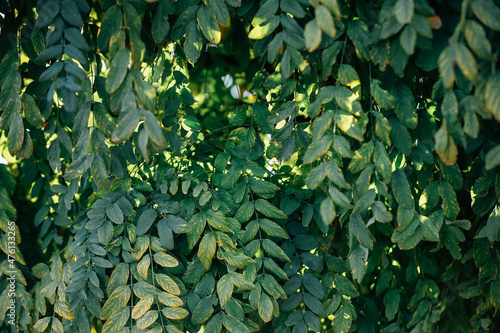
x,y
450,203
477,40
51,72
203,310
126,126
231,177
160,26
215,324
495,293
274,250
487,12
220,11
314,304
272,229
357,262
342,319
265,307
266,11
180,26
382,162
339,198
16,134
401,189
391,301
233,324
492,228
118,70
408,39
79,167
328,58
74,36
224,289
492,95
207,249
193,43
71,14
51,9
348,124
265,28
98,171
405,106
261,186
313,285
218,220
466,62
359,230
31,111
208,25
317,149
342,146
312,35
325,20
404,11
446,63
380,212
269,210
400,136
292,7
105,232
145,221
383,98
153,129
327,210
362,158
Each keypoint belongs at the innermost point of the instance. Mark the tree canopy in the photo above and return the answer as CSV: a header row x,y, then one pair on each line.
x,y
250,166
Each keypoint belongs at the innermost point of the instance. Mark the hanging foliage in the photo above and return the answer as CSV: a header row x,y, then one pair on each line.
x,y
250,166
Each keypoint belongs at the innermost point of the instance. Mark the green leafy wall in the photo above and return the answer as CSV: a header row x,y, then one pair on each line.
x,y
250,166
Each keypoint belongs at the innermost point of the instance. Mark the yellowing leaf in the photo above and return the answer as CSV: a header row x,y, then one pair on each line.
x,y
61,309
175,313
143,266
142,307
147,320
116,321
165,260
118,299
168,284
206,250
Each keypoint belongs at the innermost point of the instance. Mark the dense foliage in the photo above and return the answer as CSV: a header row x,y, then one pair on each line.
x,y
250,166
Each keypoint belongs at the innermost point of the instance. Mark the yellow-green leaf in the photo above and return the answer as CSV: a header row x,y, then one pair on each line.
x,y
175,313
142,307
169,299
168,284
42,324
165,260
117,320
118,299
61,309
147,320
143,266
